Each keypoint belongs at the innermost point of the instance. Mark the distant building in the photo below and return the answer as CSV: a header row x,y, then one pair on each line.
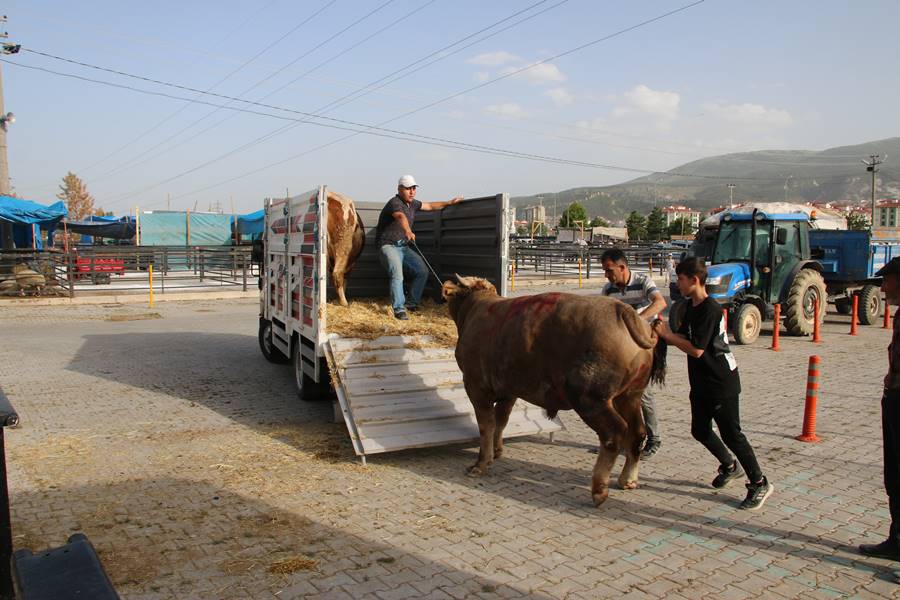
x,y
535,214
674,212
886,214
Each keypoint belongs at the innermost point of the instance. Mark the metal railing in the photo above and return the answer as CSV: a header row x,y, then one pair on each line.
x,y
568,260
128,269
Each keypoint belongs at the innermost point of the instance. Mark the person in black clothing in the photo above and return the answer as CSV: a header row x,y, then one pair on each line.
x,y
715,384
890,421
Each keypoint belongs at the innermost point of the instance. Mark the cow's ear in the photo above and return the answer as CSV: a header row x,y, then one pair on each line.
x,y
482,284
449,289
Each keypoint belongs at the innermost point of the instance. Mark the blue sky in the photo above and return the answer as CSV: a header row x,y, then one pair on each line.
x,y
721,76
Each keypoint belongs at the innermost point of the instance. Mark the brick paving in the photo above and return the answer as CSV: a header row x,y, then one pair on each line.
x,y
186,458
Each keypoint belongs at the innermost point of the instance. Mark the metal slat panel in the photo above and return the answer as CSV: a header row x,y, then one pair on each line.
x,y
403,400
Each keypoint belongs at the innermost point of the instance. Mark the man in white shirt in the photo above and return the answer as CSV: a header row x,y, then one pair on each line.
x,y
640,292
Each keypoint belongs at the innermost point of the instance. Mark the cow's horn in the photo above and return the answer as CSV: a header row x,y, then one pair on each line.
x,y
458,279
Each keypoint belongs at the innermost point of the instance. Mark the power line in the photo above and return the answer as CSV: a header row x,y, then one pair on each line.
x,y
357,128
213,86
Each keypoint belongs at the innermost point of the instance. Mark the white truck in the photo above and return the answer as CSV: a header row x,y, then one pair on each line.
x,y
392,392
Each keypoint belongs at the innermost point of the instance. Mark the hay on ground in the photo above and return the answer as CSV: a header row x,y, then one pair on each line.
x,y
372,318
292,565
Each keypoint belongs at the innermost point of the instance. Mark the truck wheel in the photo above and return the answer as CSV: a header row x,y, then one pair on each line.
x,y
272,354
843,306
869,305
307,388
746,325
676,313
807,287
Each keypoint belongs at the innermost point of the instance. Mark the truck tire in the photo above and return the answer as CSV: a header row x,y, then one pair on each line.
x,y
307,388
843,306
676,313
807,287
869,305
272,354
746,324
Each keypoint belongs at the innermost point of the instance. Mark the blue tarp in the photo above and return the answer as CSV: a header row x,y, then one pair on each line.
x,y
183,229
25,213
251,223
103,227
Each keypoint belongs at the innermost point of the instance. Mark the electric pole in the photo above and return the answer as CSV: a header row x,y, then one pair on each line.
x,y
731,187
6,233
871,167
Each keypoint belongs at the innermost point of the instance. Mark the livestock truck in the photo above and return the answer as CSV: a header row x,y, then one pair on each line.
x,y
758,259
392,394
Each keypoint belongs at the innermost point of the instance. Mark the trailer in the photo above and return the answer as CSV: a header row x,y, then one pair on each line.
x,y
849,262
395,392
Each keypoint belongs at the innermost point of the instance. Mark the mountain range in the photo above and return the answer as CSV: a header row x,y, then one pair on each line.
x,y
832,175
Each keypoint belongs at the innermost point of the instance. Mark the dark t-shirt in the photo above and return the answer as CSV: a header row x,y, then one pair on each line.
x,y
715,373
388,229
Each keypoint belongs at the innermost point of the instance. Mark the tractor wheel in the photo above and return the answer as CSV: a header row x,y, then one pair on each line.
x,y
272,354
869,305
807,288
746,324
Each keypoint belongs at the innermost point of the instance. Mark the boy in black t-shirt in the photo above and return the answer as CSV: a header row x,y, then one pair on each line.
x,y
715,384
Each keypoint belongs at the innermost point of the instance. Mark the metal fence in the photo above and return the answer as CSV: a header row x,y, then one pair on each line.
x,y
569,260
128,269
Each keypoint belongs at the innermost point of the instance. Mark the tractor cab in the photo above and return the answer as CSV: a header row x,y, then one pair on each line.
x,y
759,259
756,254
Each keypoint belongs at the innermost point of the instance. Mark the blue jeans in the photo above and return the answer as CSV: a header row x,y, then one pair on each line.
x,y
395,258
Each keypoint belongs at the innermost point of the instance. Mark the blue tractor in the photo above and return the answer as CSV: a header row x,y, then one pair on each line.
x,y
758,260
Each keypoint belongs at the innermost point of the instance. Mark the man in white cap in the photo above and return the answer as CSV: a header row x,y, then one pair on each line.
x,y
393,236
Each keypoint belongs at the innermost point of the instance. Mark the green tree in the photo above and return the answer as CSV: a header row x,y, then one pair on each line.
x,y
857,221
78,200
681,226
572,215
637,226
656,225
599,222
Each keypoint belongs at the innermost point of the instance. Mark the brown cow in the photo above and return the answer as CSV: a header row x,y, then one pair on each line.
x,y
346,239
593,355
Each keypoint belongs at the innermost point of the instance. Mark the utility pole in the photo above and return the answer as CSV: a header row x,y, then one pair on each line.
x,y
6,232
871,167
731,187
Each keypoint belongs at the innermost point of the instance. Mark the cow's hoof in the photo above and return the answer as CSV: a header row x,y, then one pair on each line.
x,y
628,485
476,471
600,497
498,453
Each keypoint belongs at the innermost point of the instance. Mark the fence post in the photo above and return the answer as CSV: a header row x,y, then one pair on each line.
x,y
150,274
200,259
244,272
70,266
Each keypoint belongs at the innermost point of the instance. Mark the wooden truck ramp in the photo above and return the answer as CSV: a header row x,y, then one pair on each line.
x,y
399,392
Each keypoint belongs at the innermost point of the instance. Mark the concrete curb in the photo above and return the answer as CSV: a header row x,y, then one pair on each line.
x,y
129,298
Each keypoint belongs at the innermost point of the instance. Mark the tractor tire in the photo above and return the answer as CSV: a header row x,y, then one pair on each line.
x,y
807,287
746,324
676,313
843,306
272,354
869,305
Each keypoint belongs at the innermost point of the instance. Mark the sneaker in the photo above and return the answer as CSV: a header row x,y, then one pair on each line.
x,y
726,474
412,307
401,315
886,549
757,493
650,448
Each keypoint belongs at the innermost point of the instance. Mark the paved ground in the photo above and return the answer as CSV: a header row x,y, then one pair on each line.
x,y
185,457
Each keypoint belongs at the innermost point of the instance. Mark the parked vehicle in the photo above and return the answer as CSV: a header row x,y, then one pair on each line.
x,y
759,259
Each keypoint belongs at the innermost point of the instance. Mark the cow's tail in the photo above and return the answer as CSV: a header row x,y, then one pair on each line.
x,y
644,337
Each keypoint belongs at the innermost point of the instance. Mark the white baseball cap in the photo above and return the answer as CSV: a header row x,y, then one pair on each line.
x,y
407,181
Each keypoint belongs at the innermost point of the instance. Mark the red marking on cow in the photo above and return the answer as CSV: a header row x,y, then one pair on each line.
x,y
534,307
